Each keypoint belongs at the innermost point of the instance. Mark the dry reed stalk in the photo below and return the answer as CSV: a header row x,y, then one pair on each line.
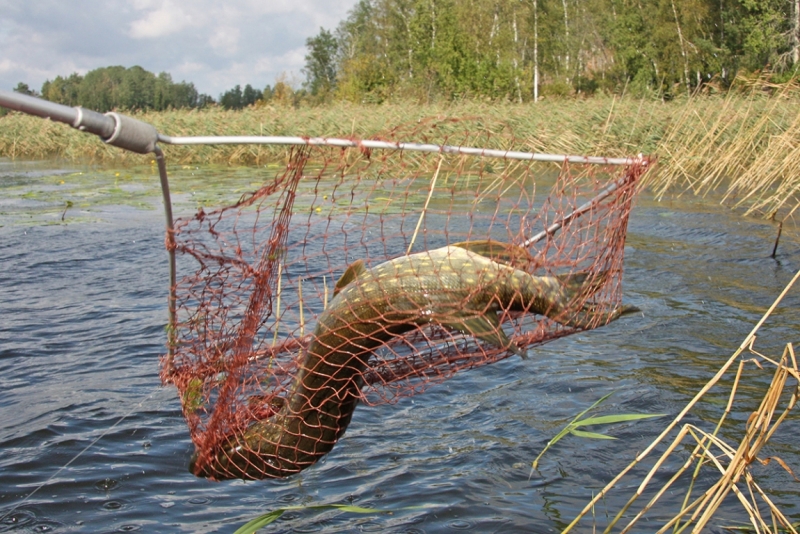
x,y
425,207
733,463
748,143
300,306
277,306
745,140
768,180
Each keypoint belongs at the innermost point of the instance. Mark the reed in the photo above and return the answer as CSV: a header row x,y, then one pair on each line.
x,y
744,144
710,454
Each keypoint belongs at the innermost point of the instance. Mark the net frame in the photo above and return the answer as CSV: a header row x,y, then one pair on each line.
x,y
225,394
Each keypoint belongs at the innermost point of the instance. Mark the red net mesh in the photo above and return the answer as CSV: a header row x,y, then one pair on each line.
x,y
357,277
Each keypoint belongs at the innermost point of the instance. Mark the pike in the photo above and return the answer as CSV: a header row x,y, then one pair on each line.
x,y
464,287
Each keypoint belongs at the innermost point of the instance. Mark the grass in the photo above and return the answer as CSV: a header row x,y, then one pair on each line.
x,y
744,145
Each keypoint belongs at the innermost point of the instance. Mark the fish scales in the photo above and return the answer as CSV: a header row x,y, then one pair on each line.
x,y
453,287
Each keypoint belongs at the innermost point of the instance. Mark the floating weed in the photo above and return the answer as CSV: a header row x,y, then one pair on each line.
x,y
577,422
263,520
750,528
54,194
39,196
66,207
741,144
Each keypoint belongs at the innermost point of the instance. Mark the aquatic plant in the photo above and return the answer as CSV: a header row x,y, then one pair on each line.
x,y
742,144
574,425
270,517
732,462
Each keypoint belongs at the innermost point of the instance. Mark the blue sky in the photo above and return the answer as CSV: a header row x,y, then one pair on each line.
x,y
214,44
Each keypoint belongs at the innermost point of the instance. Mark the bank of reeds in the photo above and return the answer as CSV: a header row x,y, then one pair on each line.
x,y
745,144
718,468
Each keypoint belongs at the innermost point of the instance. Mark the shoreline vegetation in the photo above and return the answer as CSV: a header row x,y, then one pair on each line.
x,y
744,145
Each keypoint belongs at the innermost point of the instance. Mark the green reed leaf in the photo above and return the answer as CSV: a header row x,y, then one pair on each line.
x,y
260,521
590,435
572,427
620,418
263,520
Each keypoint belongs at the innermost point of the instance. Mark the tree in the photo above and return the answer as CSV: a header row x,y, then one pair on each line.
x,y
795,39
162,92
365,68
765,28
204,100
232,99
99,89
282,92
250,96
134,88
497,49
63,90
320,69
24,89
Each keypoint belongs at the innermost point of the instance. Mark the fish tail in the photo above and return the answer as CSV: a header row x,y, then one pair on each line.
x,y
498,251
588,318
583,284
578,289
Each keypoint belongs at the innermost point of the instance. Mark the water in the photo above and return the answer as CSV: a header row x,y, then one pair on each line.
x,y
85,422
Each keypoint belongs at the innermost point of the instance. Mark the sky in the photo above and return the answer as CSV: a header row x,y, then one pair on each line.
x,y
215,44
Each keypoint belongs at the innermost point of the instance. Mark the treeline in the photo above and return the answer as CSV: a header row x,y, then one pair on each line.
x,y
519,49
134,88
516,50
116,87
282,94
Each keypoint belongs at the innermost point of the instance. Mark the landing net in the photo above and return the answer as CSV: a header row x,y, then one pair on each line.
x,y
360,276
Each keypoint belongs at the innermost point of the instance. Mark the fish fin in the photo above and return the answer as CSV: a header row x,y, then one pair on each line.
x,y
496,251
573,281
487,328
627,309
584,283
588,318
351,273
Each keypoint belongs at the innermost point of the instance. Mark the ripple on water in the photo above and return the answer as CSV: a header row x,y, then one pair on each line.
x,y
113,506
84,307
318,526
199,501
107,484
460,524
18,518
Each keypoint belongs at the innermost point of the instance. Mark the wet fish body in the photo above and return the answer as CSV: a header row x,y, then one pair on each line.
x,y
450,286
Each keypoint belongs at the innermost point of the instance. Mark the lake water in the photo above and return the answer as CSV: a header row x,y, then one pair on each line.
x,y
85,423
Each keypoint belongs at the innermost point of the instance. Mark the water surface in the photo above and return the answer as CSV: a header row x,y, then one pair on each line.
x,y
85,422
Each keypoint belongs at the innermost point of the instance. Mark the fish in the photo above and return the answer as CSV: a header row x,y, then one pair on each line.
x,y
465,287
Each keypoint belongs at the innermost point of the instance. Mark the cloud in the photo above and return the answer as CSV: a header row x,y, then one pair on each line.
x,y
160,22
213,44
225,40
267,69
7,66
